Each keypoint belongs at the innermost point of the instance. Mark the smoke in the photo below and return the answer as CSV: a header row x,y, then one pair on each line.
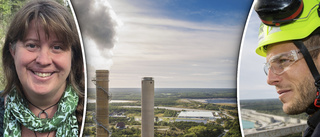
x,y
98,24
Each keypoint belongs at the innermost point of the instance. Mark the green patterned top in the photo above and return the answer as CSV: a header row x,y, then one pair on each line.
x,y
64,121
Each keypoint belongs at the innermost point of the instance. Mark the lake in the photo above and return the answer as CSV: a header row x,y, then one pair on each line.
x,y
247,124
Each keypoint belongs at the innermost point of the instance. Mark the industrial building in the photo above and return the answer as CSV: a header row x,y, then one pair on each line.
x,y
204,121
197,114
103,96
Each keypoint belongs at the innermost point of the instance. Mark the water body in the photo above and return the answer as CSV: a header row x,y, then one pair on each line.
x,y
223,100
247,124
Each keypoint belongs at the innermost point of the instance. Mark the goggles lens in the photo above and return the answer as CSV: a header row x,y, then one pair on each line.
x,y
281,62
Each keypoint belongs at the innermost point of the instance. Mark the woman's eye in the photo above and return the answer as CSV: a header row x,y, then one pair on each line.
x,y
57,47
31,45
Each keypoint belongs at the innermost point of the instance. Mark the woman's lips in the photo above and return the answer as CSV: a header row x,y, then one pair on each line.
x,y
43,74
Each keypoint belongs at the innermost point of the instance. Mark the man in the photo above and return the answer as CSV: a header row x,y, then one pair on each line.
x,y
289,38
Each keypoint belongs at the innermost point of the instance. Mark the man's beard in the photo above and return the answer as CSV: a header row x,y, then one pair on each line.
x,y
305,96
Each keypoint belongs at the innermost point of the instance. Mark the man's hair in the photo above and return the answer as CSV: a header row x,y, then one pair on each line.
x,y
52,17
312,42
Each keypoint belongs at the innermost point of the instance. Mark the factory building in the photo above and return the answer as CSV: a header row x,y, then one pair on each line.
x,y
196,116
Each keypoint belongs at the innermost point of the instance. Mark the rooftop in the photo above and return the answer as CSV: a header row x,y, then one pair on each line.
x,y
196,114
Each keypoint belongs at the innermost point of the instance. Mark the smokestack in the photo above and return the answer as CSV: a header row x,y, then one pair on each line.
x,y
147,107
102,103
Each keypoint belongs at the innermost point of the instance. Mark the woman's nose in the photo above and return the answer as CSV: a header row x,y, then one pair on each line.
x,y
44,57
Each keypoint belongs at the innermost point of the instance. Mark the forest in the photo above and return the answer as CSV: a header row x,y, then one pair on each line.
x,y
197,93
176,129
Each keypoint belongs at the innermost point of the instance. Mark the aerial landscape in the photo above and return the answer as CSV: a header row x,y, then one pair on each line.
x,y
171,107
190,48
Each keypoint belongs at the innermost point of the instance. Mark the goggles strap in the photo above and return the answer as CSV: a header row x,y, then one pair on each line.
x,y
313,69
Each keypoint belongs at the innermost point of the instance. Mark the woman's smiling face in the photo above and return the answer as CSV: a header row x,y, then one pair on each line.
x,y
42,61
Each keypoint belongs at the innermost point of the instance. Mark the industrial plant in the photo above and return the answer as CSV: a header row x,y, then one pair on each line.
x,y
102,103
103,97
154,120
271,125
147,107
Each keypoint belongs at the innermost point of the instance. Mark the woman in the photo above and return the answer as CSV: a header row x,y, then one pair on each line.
x,y
42,96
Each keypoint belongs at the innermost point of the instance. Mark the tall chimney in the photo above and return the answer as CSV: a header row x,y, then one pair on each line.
x,y
102,102
147,107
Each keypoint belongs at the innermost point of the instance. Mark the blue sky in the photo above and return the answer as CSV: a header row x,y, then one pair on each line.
x,y
252,81
204,10
181,43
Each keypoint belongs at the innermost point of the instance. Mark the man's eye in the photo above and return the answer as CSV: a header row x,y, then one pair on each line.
x,y
284,61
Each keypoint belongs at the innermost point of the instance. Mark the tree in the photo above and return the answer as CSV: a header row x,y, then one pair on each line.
x,y
234,130
205,131
199,131
190,135
7,10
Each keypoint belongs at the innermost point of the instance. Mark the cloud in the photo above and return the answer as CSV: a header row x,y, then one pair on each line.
x,y
165,47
